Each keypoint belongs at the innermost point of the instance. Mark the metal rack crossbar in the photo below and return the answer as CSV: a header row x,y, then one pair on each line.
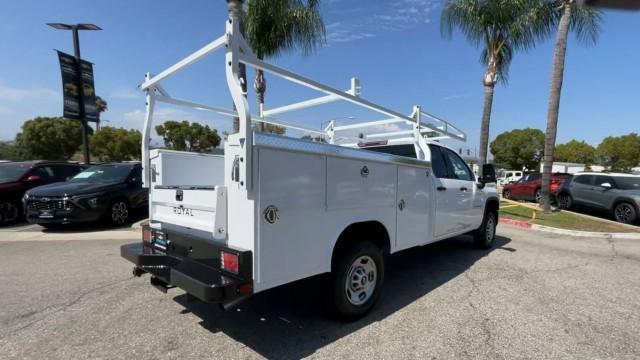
x,y
238,51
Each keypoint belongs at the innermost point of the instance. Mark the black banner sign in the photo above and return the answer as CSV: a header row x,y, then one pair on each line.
x,y
71,85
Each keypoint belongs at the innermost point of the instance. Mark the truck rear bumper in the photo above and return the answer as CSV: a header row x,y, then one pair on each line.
x,y
207,283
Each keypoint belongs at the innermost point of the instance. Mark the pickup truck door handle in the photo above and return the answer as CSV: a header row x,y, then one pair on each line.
x,y
463,189
441,188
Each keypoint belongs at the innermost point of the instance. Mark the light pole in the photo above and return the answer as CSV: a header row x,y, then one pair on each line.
x,y
75,28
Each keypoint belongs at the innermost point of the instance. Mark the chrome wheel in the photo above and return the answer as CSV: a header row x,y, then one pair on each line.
x,y
507,194
361,280
8,212
538,196
625,213
119,212
490,229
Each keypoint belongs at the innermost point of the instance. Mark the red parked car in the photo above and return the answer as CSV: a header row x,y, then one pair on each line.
x,y
18,177
528,187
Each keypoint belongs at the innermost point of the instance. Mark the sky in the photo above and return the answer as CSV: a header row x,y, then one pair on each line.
x,y
394,48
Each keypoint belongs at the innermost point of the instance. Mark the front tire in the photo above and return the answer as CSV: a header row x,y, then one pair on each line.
x,y
356,280
486,234
625,213
538,196
507,194
10,212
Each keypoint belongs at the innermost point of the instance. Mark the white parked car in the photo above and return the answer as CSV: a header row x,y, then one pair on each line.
x,y
276,209
508,176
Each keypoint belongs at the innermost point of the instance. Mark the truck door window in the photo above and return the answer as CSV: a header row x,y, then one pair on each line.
x,y
437,162
459,169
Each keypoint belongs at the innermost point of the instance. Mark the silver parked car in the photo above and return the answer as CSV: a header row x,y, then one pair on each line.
x,y
616,193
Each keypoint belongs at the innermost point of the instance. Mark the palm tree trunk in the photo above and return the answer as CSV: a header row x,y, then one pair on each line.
x,y
260,85
234,8
557,77
490,78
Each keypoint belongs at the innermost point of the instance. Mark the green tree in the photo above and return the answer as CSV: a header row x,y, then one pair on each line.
x,y
49,138
185,136
101,104
584,22
116,144
318,138
9,151
576,152
276,26
502,28
518,149
274,129
620,153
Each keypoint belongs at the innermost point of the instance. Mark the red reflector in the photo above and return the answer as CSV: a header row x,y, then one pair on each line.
x,y
146,234
245,289
229,262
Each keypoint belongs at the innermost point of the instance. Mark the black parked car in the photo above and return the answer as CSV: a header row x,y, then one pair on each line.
x,y
18,177
106,192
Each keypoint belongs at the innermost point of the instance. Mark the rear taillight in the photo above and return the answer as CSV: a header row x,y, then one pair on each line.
x,y
229,262
146,234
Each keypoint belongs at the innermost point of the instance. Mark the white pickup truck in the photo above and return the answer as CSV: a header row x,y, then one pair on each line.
x,y
277,209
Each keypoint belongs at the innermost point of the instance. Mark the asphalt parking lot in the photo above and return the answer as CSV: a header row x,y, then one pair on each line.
x,y
535,296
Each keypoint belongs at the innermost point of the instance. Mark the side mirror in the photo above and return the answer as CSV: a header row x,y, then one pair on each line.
x,y
606,185
488,174
33,178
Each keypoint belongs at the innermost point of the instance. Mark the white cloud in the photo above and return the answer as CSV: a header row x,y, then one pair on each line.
x,y
126,94
17,94
391,17
5,110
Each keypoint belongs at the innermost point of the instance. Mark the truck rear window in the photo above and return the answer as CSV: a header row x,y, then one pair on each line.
x,y
406,150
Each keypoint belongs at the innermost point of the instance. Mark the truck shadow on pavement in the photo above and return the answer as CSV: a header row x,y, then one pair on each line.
x,y
290,321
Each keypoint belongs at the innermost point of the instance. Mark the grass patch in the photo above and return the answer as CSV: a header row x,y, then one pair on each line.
x,y
562,220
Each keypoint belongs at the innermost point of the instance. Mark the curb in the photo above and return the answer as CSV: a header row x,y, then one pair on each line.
x,y
575,233
138,224
518,223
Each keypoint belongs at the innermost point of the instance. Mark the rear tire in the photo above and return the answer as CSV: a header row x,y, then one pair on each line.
x,y
538,196
565,201
356,280
625,213
506,194
486,234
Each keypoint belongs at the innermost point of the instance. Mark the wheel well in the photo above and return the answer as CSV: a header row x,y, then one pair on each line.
x,y
623,200
373,231
493,205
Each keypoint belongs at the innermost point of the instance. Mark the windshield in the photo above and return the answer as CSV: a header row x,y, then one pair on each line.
x,y
12,172
628,183
103,174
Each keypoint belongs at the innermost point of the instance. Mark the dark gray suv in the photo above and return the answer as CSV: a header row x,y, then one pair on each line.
x,y
616,193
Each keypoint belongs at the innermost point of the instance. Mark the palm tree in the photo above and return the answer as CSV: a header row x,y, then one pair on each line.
x,y
102,106
585,23
502,28
276,26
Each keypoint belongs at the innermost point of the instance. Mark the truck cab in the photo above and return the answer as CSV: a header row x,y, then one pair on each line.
x,y
459,196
